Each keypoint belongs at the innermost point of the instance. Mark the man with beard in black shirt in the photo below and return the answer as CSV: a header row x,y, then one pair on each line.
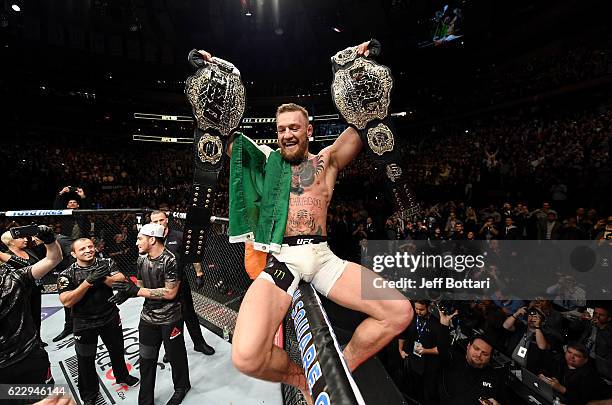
x,y
86,287
173,240
161,318
22,358
469,379
418,348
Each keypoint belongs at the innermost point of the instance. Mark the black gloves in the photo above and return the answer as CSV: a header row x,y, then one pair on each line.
x,y
45,233
200,281
98,275
118,298
126,287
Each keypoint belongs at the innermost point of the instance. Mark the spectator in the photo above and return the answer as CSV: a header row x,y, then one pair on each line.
x,y
574,376
509,231
485,382
597,338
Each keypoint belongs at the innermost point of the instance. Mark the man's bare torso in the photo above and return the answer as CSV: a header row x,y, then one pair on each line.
x,y
312,185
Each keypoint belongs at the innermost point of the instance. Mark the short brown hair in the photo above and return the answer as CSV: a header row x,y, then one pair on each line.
x,y
289,107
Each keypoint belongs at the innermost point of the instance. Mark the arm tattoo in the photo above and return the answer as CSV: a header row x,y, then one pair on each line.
x,y
303,175
158,293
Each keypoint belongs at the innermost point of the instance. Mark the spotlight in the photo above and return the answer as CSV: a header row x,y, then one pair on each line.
x,y
16,8
337,29
248,14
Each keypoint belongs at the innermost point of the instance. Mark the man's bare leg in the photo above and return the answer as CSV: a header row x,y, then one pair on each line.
x,y
253,351
388,316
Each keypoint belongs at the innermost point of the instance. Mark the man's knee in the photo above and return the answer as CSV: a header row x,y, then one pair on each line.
x,y
248,359
399,315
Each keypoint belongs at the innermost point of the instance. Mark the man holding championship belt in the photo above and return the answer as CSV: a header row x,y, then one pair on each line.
x,y
278,202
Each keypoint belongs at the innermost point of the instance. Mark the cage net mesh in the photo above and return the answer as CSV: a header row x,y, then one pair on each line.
x,y
114,235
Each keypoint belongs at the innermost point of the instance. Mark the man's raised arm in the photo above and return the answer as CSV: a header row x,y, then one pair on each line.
x,y
345,148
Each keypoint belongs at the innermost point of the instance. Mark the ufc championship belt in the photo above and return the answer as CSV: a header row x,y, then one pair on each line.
x,y
217,97
361,91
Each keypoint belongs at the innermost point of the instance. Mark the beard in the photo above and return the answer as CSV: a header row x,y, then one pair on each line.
x,y
296,156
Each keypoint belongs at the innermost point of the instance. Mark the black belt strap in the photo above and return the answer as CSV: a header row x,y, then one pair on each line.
x,y
361,91
217,97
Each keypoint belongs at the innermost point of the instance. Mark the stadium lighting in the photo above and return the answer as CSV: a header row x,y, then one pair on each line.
x,y
248,14
16,8
337,29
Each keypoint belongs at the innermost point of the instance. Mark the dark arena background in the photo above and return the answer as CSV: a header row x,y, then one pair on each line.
x,y
503,120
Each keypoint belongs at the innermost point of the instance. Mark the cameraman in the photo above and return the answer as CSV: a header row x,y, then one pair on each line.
x,y
72,198
22,358
529,343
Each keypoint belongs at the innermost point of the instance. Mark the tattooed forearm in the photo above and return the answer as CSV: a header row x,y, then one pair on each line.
x,y
162,293
158,293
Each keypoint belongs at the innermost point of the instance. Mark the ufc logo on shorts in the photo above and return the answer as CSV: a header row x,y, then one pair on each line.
x,y
487,384
304,241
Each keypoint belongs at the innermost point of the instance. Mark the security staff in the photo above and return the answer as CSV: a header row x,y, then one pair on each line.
x,y
418,346
22,358
86,287
174,239
158,280
469,379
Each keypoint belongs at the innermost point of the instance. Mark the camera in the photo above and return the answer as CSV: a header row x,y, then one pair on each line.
x,y
72,189
24,231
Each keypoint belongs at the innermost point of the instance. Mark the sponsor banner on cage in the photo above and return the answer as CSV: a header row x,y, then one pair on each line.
x,y
568,272
37,213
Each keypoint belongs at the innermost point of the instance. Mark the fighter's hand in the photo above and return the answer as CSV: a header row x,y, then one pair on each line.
x,y
98,276
127,287
206,55
446,319
118,298
362,49
403,354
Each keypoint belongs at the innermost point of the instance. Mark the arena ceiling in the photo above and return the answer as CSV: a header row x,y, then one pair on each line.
x,y
262,37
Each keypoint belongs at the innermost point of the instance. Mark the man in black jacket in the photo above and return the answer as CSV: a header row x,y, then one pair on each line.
x,y
468,379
